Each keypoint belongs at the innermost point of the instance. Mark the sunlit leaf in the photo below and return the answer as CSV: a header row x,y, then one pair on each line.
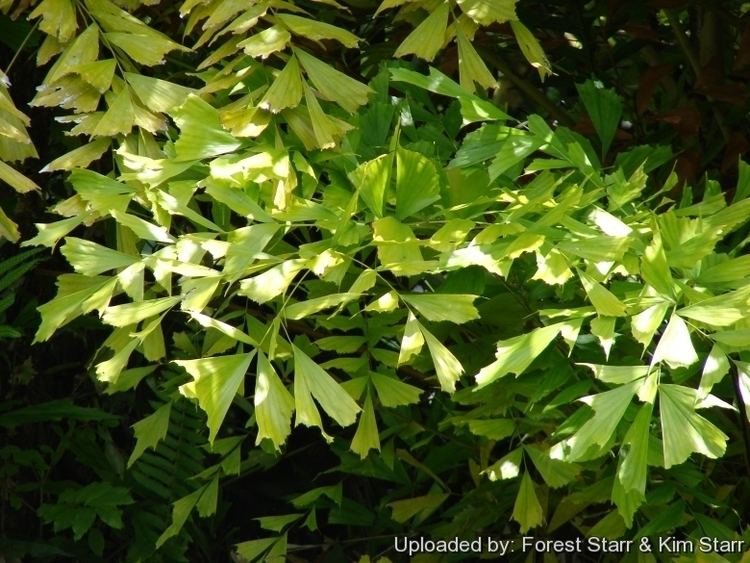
x,y
286,90
332,84
683,430
215,384
675,345
329,394
531,49
317,30
486,12
201,134
609,407
447,366
273,404
516,354
432,306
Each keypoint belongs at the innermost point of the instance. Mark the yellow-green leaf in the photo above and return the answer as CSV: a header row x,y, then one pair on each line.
x,y
145,48
155,93
273,404
366,437
675,346
447,366
451,307
79,157
428,37
286,90
394,393
267,42
486,12
527,511
412,341
603,300
317,30
471,67
215,383
515,354
683,430
609,407
150,431
272,282
58,18
131,313
330,395
90,258
16,180
333,85
531,49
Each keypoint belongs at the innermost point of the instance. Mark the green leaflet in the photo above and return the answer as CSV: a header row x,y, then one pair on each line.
x,y
531,49
683,430
215,383
604,107
91,259
473,108
372,179
722,310
714,369
494,429
417,183
317,30
403,510
286,90
394,393
485,12
633,463
76,295
675,345
655,269
131,313
527,511
398,248
366,437
201,134
428,37
272,282
508,467
204,499
555,473
268,41
310,380
273,404
516,354
332,84
150,431
447,366
609,407
432,307
603,300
